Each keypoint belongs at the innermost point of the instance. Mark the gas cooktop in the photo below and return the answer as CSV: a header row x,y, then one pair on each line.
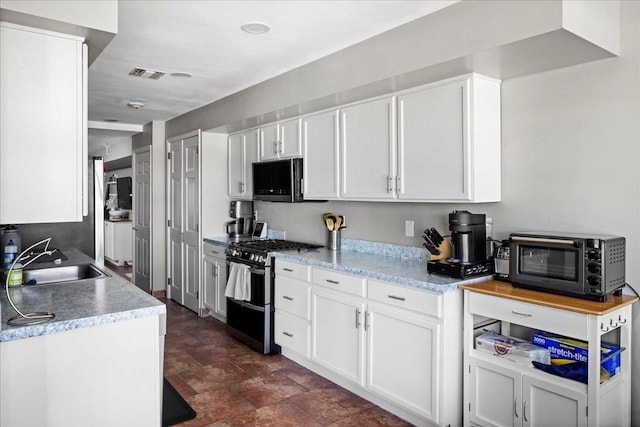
x,y
257,250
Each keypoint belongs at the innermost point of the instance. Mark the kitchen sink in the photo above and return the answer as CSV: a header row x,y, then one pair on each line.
x,y
60,274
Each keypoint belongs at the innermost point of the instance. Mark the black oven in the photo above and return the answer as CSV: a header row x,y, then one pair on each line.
x,y
251,321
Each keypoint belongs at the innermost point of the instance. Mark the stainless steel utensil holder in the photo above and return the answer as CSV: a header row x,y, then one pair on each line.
x,y
334,240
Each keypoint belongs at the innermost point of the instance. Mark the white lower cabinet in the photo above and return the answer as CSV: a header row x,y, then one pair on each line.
x,y
402,358
118,242
393,345
500,396
214,276
337,337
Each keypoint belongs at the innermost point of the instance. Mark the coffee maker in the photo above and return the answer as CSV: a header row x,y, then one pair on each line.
x,y
242,223
469,241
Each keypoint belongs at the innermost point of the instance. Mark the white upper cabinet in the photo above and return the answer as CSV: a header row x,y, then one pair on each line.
x,y
280,140
368,138
243,152
43,153
321,160
449,141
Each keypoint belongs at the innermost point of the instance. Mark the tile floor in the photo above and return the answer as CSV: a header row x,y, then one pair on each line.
x,y
229,384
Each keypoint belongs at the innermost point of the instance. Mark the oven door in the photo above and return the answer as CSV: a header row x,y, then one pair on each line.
x,y
250,321
553,265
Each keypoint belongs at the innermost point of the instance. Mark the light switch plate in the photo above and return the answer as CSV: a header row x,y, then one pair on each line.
x,y
408,228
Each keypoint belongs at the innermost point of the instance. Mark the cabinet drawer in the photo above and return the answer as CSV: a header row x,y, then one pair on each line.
x,y
534,316
291,333
340,281
292,296
292,269
214,251
401,296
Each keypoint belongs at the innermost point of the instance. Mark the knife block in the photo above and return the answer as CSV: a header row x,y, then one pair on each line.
x,y
446,251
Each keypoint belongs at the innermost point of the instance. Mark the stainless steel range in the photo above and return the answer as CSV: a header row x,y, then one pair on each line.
x,y
251,319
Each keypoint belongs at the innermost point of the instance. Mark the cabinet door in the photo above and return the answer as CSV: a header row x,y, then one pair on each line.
x,y
338,333
321,160
495,394
433,143
251,139
368,137
236,165
42,131
209,283
547,404
289,144
269,143
403,360
220,286
109,240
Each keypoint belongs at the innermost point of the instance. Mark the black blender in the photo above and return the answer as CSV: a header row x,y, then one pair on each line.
x,y
469,241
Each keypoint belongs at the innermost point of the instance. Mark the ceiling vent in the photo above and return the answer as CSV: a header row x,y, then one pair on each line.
x,y
146,74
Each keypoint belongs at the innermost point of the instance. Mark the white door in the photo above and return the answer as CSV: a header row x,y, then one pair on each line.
x,y
547,404
191,221
402,359
433,157
236,166
289,139
337,337
269,142
320,147
142,219
251,139
175,218
495,394
368,137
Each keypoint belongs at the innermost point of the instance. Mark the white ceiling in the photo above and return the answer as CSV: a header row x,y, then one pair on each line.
x,y
203,38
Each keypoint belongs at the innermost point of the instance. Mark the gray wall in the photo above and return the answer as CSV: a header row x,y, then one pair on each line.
x,y
570,161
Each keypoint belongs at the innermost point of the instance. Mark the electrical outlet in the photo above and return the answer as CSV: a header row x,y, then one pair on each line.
x,y
408,228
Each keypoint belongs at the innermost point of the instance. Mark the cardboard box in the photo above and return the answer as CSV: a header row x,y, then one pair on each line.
x,y
565,350
513,349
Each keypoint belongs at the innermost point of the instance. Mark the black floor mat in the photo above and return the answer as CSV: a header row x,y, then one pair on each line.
x,y
174,408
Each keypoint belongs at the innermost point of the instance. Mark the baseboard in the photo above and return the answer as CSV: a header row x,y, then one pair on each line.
x,y
159,294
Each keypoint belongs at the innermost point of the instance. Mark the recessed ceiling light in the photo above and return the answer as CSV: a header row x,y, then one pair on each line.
x,y
136,105
181,74
255,28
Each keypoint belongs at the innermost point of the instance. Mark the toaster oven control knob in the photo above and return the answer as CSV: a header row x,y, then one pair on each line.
x,y
593,255
593,281
593,268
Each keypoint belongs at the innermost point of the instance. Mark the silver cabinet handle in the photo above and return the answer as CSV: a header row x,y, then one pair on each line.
x,y
524,411
335,282
357,318
398,298
290,270
521,314
516,406
287,297
288,334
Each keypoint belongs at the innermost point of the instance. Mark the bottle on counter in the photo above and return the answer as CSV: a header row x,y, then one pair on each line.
x,y
15,277
11,234
10,251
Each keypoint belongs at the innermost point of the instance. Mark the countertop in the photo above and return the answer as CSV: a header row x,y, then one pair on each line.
x,y
78,304
403,265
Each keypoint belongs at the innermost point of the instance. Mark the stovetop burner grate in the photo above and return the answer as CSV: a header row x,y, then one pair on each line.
x,y
273,245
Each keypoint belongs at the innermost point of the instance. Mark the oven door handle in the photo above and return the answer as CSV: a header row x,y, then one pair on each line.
x,y
247,304
256,271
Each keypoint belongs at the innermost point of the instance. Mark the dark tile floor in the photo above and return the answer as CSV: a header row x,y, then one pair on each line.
x,y
229,384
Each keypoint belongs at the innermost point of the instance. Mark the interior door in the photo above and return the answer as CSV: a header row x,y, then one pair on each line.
x,y
191,222
142,219
175,251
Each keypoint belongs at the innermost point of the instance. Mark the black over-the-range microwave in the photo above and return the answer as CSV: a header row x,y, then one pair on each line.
x,y
580,265
278,181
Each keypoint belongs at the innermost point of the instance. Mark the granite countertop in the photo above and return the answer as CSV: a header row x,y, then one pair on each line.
x,y
403,265
408,272
77,304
